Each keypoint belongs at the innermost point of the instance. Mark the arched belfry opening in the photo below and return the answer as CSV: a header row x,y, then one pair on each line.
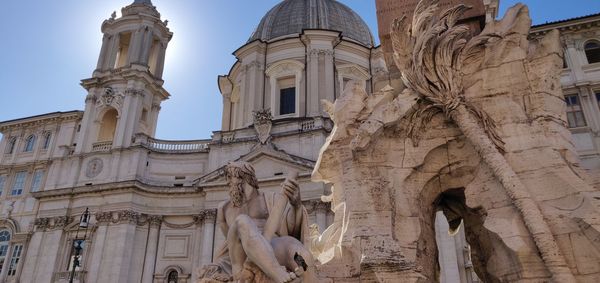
x,y
108,125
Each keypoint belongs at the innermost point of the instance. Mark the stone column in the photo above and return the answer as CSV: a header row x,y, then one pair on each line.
x,y
134,110
102,57
135,46
226,118
113,51
160,60
329,93
312,94
31,260
208,236
146,46
84,142
153,118
154,222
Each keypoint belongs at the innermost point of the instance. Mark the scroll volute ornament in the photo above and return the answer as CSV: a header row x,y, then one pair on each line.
x,y
433,54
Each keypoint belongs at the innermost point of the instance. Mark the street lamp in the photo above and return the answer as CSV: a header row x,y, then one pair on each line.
x,y
84,223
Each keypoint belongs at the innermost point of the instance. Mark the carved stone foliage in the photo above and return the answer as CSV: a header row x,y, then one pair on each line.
x,y
140,219
52,223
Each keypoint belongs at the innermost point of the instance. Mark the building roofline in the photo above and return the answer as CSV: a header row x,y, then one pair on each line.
x,y
566,22
45,116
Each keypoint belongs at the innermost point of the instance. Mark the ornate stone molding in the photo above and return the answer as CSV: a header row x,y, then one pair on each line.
x,y
128,216
140,219
111,98
263,124
154,220
103,217
52,223
209,214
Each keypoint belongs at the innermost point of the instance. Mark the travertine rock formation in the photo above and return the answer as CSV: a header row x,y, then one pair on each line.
x,y
479,132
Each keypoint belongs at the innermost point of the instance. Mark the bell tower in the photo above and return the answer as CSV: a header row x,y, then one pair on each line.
x,y
126,89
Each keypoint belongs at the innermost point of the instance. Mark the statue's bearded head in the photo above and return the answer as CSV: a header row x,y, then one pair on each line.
x,y
237,174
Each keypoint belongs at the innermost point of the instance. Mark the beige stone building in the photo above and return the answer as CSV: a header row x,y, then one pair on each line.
x,y
153,201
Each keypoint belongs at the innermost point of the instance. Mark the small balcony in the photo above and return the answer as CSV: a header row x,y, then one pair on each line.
x,y
102,146
177,146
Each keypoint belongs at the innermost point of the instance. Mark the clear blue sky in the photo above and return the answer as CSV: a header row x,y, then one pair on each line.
x,y
48,46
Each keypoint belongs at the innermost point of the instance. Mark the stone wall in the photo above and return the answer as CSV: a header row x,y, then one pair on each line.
x,y
392,176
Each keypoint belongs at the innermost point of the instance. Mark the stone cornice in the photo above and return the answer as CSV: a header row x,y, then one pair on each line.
x,y
103,78
38,120
125,186
571,25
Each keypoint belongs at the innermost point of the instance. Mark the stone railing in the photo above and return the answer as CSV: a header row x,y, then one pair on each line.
x,y
307,125
102,146
177,146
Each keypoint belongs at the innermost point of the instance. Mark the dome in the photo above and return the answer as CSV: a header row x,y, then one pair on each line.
x,y
292,16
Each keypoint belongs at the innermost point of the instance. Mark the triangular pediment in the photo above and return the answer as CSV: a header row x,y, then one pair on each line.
x,y
268,162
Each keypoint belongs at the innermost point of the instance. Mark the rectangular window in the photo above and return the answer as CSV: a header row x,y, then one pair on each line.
x,y
36,184
77,247
2,182
19,184
287,101
575,116
3,252
14,260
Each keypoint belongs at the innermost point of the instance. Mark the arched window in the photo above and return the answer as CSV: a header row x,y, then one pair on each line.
x,y
29,144
108,126
592,52
10,146
47,138
4,242
173,277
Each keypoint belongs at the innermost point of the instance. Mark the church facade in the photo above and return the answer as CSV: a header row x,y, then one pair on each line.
x,y
152,203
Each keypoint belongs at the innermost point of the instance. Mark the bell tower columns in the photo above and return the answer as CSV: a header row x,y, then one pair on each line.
x,y
126,89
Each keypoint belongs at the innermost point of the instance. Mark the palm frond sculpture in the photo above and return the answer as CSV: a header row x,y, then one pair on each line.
x,y
430,52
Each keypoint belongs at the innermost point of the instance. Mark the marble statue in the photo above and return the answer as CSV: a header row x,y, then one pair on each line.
x,y
265,232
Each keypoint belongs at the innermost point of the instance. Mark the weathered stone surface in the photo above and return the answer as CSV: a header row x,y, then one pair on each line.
x,y
485,141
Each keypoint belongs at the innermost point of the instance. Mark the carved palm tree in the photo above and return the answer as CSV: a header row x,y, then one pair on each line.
x,y
430,52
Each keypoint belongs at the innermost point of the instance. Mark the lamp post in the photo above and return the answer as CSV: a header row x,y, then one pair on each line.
x,y
84,222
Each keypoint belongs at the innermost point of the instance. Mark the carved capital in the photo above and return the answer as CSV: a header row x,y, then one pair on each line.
x,y
209,215
41,223
155,220
128,216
